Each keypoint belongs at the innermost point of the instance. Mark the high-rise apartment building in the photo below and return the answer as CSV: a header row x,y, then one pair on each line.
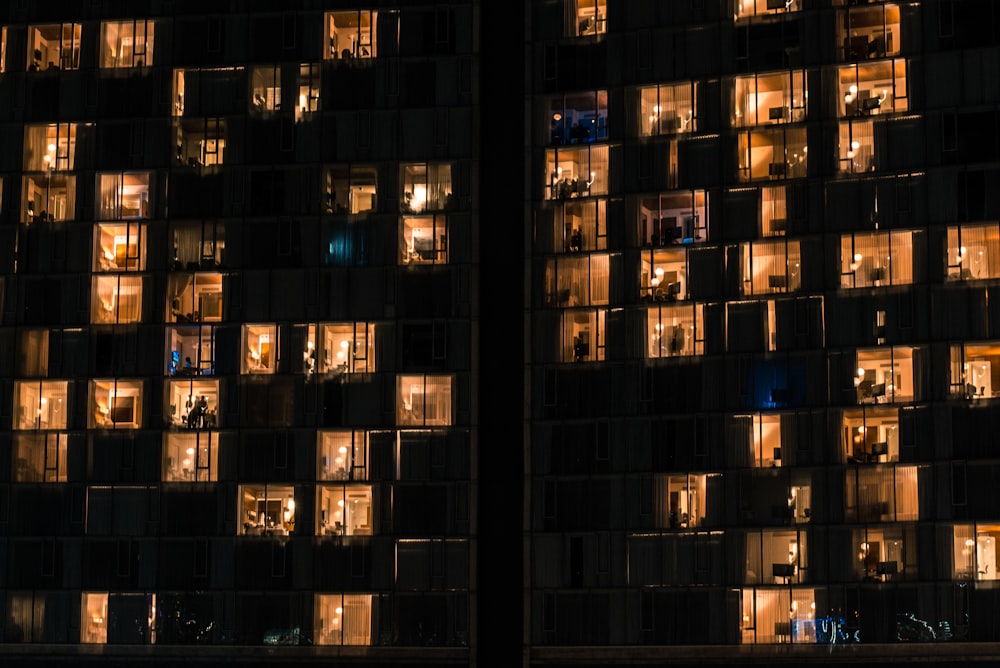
x,y
496,334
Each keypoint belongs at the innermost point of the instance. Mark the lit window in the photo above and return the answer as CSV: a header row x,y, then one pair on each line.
x,y
54,47
681,501
876,259
260,348
265,89
195,297
773,153
975,551
126,44
884,375
583,335
667,109
190,351
755,440
50,147
344,619
123,195
423,400
880,554
351,34
424,239
777,557
673,218
350,189
343,510
116,299
178,92
192,403
774,207
40,457
119,247
869,89
674,330
777,97
881,493
663,275
267,510
198,245
308,84
587,17
48,196
26,617
871,435
577,119
342,348
41,404
780,615
972,370
871,31
115,404
577,226
3,49
190,457
341,455
771,267
973,252
94,618
747,8
573,280
426,187
200,143
857,147
579,171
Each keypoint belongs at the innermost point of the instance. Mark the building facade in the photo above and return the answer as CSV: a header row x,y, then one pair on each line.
x,y
385,332
761,329
237,254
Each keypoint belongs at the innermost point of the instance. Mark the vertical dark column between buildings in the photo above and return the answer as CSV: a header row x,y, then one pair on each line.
x,y
501,326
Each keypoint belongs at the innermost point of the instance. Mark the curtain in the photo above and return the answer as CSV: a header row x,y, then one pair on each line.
x,y
740,441
599,276
907,501
357,619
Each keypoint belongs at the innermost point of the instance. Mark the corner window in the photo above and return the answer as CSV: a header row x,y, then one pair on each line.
x,y
194,297
577,118
192,403
675,330
48,196
267,510
426,187
350,189
54,47
190,351
766,99
344,619
342,455
673,218
260,349
116,299
40,404
198,245
123,195
576,172
876,259
119,247
309,86
423,400
127,44
424,239
190,457
973,252
667,109
586,17
115,404
975,551
344,510
778,153
351,34
40,457
265,89
972,370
